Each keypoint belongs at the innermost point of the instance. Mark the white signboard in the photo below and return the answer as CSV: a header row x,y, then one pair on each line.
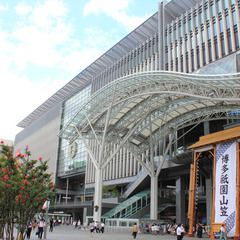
x,y
225,186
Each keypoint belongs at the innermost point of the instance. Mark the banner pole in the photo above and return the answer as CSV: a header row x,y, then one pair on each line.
x,y
237,232
191,234
213,199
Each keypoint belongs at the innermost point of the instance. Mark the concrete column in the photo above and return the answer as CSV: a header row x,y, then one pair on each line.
x,y
174,56
153,62
169,57
67,190
195,66
98,195
218,34
184,54
84,214
231,29
225,31
209,200
206,43
180,200
154,198
161,37
212,41
238,16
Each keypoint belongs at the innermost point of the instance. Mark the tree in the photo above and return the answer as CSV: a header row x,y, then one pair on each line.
x,y
24,187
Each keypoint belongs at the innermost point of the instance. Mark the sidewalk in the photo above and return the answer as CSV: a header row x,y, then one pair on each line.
x,y
67,233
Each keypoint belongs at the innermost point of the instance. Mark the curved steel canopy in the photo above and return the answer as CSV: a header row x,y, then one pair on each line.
x,y
154,103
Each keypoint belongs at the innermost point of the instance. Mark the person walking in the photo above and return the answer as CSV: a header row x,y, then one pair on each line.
x,y
199,230
51,225
140,228
29,230
135,230
180,232
102,227
41,226
222,233
91,227
79,224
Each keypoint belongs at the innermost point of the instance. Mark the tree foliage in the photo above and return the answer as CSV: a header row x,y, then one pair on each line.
x,y
24,187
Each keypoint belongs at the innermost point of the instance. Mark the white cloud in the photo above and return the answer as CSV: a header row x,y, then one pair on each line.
x,y
20,97
116,10
44,38
40,38
23,9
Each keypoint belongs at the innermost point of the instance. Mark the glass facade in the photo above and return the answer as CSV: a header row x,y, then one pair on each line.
x,y
217,19
73,158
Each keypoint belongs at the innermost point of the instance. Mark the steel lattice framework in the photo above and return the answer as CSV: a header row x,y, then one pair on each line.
x,y
160,101
138,110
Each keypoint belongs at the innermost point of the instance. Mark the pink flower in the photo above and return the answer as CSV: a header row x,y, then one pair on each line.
x,y
52,185
6,177
9,172
2,142
8,185
25,182
23,201
16,200
40,158
10,157
23,188
34,180
38,199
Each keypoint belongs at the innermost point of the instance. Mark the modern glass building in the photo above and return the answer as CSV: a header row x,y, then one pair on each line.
x,y
125,121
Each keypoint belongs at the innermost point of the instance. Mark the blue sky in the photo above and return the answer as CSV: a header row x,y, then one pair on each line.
x,y
45,43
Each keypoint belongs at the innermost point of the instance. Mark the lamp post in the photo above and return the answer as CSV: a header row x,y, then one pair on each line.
x,y
46,219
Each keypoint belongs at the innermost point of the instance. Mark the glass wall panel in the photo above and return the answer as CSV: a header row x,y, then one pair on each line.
x,y
213,10
227,22
73,158
234,18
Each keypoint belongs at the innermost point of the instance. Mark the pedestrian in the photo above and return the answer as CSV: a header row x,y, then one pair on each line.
x,y
222,233
199,231
51,225
91,227
135,230
34,224
147,228
102,227
97,227
74,224
180,232
140,227
41,226
79,224
84,226
29,230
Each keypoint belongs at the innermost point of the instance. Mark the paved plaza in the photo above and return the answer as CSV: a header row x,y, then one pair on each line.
x,y
67,233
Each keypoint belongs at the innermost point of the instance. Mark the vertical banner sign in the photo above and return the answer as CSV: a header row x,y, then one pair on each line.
x,y
225,186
